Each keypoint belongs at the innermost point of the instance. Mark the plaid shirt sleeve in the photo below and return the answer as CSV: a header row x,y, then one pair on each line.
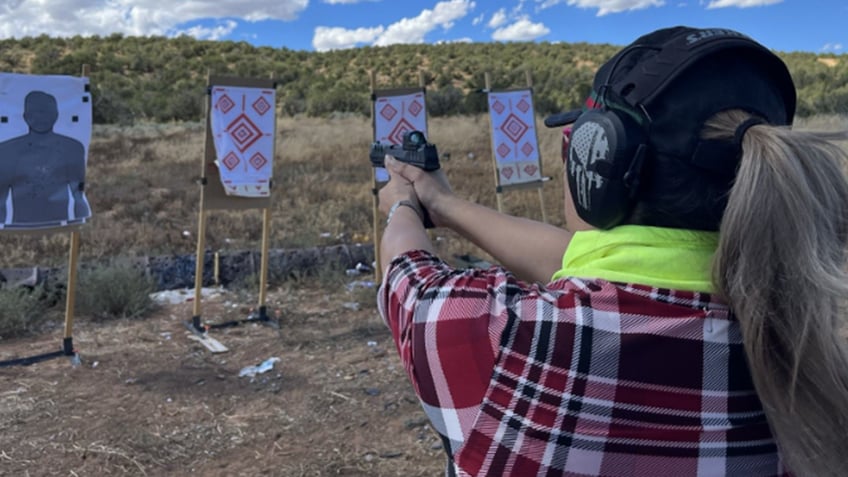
x,y
448,352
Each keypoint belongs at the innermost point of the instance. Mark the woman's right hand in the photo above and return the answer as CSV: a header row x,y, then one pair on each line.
x,y
432,188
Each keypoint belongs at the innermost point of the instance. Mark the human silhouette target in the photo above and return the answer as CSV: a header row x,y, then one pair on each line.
x,y
45,129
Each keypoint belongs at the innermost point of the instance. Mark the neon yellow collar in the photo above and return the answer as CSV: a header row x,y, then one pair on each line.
x,y
654,256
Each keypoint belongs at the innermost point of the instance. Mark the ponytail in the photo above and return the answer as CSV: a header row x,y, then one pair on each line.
x,y
781,265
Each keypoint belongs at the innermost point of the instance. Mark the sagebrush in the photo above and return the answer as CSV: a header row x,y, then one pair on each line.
x,y
114,290
23,309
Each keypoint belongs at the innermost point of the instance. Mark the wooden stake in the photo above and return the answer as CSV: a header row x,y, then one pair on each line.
x,y
199,259
529,79
70,298
73,263
378,235
201,223
263,268
498,194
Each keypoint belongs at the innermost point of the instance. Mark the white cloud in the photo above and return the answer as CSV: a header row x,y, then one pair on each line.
x,y
213,33
498,19
741,3
413,30
406,30
832,47
347,2
457,40
606,7
331,38
22,18
519,7
478,19
521,30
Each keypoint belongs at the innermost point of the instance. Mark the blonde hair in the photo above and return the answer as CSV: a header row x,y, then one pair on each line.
x,y
781,265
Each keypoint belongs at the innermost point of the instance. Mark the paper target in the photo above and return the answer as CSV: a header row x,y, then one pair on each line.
x,y
45,131
395,115
514,142
242,122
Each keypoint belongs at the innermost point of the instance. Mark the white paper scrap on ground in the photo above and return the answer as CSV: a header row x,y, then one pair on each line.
x,y
242,122
183,295
263,367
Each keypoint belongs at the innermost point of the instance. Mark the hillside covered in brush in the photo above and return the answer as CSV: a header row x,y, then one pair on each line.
x,y
158,79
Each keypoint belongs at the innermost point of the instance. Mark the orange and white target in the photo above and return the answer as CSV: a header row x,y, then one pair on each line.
x,y
242,122
515,144
395,115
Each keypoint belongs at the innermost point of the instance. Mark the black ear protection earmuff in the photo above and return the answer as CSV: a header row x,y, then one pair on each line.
x,y
605,156
610,144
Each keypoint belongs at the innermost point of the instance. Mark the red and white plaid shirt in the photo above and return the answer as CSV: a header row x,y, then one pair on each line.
x,y
578,377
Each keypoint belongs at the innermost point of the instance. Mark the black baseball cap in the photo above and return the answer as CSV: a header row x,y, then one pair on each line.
x,y
673,80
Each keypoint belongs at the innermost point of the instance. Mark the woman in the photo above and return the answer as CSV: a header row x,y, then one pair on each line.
x,y
686,323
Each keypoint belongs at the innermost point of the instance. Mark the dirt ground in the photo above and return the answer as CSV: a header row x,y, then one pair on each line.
x,y
146,400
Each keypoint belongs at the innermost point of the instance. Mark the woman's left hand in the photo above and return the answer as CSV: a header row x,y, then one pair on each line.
x,y
396,189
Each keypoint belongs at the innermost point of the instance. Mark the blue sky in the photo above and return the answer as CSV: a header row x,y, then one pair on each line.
x,y
817,26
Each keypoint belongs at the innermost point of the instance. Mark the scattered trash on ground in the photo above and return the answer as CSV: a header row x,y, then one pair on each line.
x,y
263,367
359,269
182,295
360,284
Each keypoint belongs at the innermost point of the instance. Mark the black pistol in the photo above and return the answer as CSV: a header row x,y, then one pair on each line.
x,y
416,151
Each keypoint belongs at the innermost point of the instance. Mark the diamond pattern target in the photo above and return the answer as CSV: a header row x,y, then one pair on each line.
x,y
498,107
261,105
514,143
242,124
504,150
514,128
244,132
258,161
225,104
394,114
415,108
388,112
231,161
397,133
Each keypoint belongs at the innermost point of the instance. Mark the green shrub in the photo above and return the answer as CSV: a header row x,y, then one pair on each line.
x,y
116,290
22,309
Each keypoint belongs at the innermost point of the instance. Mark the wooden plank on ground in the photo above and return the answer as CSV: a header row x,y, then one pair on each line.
x,y
209,342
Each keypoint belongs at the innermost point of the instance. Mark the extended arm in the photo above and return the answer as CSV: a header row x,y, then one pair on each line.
x,y
531,250
405,228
